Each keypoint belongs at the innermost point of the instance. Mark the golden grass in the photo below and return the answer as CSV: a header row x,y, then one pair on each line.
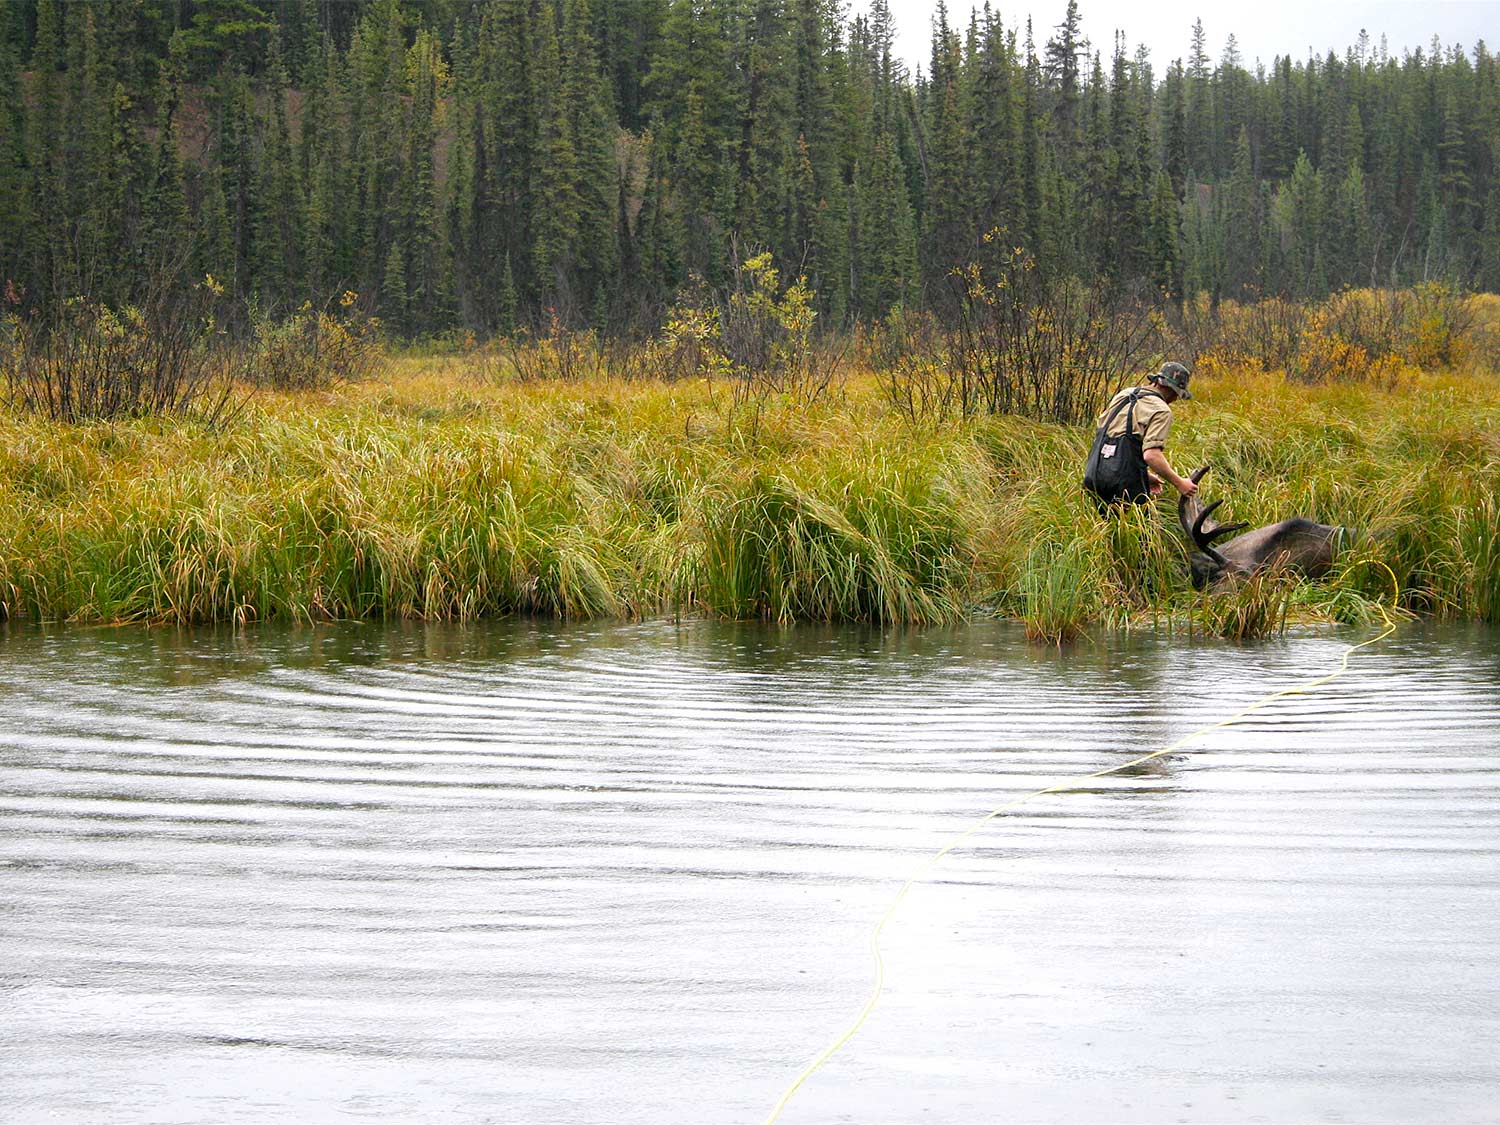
x,y
434,493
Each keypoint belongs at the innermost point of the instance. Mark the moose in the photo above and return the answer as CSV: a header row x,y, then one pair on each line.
x,y
1295,544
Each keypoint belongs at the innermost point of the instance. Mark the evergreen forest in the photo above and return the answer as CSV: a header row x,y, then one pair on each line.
x,y
479,165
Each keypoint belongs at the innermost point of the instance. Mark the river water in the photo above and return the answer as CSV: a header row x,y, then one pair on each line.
x,y
627,873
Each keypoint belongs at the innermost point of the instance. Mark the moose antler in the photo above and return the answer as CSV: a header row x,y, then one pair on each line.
x,y
1199,525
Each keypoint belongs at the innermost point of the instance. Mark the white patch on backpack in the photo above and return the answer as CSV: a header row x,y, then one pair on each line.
x,y
1107,451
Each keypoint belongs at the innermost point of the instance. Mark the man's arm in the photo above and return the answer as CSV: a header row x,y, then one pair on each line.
x,y
1157,460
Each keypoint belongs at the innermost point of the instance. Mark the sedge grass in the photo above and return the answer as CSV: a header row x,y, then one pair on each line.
x,y
432,494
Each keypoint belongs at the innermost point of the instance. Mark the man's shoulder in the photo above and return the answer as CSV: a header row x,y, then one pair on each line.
x,y
1153,403
1147,400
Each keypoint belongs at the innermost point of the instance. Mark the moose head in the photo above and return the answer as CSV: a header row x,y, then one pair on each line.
x,y
1295,544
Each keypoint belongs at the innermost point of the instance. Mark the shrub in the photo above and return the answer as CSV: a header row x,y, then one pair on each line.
x,y
689,343
1357,335
765,333
1023,343
756,333
1439,326
1326,354
314,348
1195,329
85,361
553,351
1264,335
907,351
1483,348
887,344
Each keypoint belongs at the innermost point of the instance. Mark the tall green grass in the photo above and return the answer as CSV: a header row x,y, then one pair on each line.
x,y
880,536
428,495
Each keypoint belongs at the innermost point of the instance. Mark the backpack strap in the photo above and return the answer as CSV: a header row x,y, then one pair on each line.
x,y
1130,417
1135,397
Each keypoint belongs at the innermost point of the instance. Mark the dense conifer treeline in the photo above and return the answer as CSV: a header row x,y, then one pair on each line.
x,y
484,163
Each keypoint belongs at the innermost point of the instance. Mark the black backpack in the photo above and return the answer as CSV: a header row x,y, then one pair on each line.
x,y
1117,467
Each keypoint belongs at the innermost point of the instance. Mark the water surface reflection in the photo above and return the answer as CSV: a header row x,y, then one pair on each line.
x,y
609,873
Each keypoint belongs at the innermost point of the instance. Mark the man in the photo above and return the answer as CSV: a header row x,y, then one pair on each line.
x,y
1128,461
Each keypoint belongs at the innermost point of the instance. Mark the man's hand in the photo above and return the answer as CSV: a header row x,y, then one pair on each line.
x,y
1157,460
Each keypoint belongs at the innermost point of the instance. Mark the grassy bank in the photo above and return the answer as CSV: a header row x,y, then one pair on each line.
x,y
428,493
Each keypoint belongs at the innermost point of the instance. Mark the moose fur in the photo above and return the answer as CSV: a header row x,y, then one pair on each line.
x,y
1296,544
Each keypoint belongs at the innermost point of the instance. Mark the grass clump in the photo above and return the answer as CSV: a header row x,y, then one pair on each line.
x,y
1249,607
876,538
1058,589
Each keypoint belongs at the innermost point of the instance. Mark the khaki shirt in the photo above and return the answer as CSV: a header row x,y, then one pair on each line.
x,y
1153,417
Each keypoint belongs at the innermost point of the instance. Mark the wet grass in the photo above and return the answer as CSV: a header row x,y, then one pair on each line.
x,y
433,494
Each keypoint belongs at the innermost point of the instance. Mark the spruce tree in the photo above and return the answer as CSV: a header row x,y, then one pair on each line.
x,y
830,254
277,222
657,233
1062,72
507,304
947,237
427,289
1244,216
1299,217
1163,242
506,135
1197,103
591,125
1350,248
393,295
1199,270
1174,157
1127,204
322,159
166,221
14,200
1453,160
995,132
92,118
556,206
1489,243
888,271
232,199
608,148
764,142
1032,220
378,95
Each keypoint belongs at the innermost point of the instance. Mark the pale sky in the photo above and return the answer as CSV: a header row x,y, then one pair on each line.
x,y
1263,30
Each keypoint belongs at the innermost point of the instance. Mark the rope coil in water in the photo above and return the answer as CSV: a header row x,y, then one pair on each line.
x,y
1057,787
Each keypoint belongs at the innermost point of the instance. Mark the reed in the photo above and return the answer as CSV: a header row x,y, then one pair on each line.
x,y
430,492
1246,608
876,536
1059,588
1475,541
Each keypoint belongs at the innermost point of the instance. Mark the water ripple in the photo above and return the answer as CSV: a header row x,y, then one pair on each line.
x,y
626,873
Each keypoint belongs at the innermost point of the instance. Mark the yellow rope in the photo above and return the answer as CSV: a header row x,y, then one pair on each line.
x,y
1058,787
